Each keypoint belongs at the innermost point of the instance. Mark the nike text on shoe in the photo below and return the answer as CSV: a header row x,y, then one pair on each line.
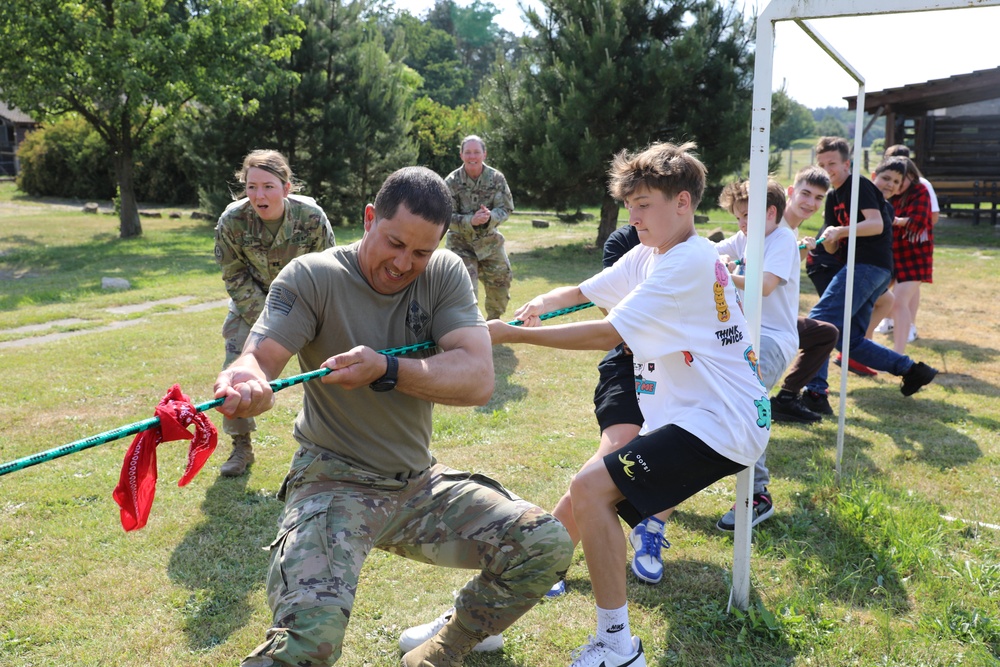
x,y
596,654
417,635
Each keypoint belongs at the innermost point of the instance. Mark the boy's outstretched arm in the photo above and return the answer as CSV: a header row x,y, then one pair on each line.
x,y
560,297
596,335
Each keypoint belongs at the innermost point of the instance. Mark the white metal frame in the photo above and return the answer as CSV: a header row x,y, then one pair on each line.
x,y
760,148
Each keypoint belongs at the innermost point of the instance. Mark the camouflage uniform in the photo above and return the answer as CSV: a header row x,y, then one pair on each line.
x,y
250,258
336,513
481,247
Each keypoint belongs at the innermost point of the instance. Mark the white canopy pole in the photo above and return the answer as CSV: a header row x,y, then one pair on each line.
x,y
798,11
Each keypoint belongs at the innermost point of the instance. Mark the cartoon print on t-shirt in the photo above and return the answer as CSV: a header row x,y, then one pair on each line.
x,y
720,302
642,385
721,274
763,412
751,358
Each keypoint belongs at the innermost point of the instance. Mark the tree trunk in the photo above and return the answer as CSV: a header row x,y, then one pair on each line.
x,y
609,219
128,216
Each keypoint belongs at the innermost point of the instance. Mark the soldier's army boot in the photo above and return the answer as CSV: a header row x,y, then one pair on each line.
x,y
447,648
241,457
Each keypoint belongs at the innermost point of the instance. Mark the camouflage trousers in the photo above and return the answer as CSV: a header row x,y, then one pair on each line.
x,y
492,267
335,513
235,331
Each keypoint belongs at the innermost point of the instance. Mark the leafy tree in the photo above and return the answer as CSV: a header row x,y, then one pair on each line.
x,y
790,120
439,130
433,53
604,75
477,36
128,66
832,127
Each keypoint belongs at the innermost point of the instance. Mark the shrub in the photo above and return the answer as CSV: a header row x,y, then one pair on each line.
x,y
68,158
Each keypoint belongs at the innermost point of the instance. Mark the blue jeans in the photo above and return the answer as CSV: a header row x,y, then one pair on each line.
x,y
869,284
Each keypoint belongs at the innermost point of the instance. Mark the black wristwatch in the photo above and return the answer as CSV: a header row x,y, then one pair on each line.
x,y
388,381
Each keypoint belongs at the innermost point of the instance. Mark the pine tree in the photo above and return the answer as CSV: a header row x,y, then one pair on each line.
x,y
600,76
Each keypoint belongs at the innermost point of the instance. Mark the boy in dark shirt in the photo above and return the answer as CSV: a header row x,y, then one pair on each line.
x,y
872,273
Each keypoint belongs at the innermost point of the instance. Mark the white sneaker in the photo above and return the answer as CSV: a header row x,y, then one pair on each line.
x,y
885,326
417,635
596,654
913,334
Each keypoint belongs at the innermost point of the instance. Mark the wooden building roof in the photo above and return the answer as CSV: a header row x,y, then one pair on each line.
x,y
918,98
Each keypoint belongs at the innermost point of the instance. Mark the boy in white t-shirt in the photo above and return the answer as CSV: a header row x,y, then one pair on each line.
x,y
779,336
816,339
707,415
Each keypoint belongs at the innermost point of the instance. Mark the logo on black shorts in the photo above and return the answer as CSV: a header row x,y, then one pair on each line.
x,y
626,465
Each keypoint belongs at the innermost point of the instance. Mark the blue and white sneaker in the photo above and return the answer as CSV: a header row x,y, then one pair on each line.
x,y
648,541
558,588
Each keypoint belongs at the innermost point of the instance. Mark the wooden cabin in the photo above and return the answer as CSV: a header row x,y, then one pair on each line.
x,y
952,127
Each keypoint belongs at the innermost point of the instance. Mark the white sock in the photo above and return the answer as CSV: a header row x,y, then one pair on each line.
x,y
613,630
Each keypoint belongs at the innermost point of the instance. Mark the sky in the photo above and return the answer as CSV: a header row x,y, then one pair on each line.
x,y
888,51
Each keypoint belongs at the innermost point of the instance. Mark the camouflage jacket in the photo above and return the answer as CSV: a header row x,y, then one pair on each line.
x,y
468,194
250,257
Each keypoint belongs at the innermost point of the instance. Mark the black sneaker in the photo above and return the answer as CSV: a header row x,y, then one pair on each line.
x,y
915,378
817,402
791,411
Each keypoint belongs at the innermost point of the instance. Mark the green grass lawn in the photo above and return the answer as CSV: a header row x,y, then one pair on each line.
x,y
867,573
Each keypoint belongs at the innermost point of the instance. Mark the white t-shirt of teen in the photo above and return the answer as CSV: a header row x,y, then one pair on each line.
x,y
779,311
695,366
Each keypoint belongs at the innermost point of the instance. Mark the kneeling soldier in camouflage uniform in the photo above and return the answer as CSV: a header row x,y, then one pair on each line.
x,y
363,476
482,202
255,238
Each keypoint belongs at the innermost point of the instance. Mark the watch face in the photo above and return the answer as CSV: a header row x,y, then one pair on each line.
x,y
383,385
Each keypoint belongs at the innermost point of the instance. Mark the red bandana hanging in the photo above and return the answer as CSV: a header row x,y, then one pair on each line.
x,y
137,484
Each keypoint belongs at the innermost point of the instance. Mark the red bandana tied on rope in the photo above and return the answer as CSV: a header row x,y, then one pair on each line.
x,y
137,484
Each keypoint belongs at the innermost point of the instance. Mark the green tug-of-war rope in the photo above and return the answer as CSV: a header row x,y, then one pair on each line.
x,y
277,385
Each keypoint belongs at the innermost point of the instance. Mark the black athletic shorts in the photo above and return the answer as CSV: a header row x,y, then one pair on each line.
x,y
614,397
663,468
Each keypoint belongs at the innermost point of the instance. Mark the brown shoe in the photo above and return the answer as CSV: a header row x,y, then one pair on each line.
x,y
447,648
241,457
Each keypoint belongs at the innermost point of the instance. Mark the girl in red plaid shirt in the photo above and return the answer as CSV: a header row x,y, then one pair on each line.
x,y
912,252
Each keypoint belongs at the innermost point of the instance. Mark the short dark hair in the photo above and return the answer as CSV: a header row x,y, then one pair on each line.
x,y
897,150
839,144
896,164
422,192
739,191
812,175
666,167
